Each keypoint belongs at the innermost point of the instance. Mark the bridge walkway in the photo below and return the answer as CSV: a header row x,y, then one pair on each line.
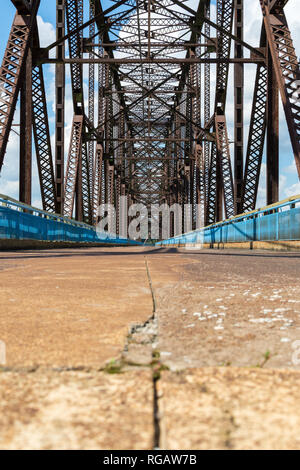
x,y
135,348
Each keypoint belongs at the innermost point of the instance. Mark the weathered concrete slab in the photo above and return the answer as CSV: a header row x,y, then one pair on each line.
x,y
292,246
227,308
70,307
76,410
228,408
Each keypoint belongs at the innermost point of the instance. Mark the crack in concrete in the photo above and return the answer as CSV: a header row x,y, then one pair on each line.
x,y
34,369
140,351
151,286
230,427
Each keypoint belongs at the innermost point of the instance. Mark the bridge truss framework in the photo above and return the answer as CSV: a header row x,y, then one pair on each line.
x,y
152,126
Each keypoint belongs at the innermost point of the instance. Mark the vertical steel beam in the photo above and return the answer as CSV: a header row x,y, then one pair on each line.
x,y
25,176
272,134
99,171
97,187
117,201
73,169
225,10
91,110
79,209
110,179
12,69
219,187
42,140
257,132
286,66
200,186
86,186
238,107
210,212
60,107
256,140
224,165
207,107
74,19
225,13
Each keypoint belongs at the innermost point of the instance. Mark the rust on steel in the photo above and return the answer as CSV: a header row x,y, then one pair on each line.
x,y
150,87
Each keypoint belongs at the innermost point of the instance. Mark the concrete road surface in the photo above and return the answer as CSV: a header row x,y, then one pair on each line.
x,y
136,348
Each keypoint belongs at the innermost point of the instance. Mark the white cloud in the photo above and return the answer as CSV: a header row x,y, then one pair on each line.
x,y
11,188
292,190
47,32
291,168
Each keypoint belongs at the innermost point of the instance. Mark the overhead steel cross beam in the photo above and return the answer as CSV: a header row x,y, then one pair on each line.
x,y
163,103
160,100
152,93
154,61
183,116
218,27
100,18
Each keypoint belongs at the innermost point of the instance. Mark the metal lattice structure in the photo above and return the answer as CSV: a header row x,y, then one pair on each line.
x,y
152,126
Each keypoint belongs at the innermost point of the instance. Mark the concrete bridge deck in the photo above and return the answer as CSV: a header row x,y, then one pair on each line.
x,y
133,348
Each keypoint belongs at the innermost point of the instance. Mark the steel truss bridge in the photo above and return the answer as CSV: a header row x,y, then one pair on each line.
x,y
152,125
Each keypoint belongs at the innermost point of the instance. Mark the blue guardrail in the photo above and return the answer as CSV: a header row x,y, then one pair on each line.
x,y
21,222
279,222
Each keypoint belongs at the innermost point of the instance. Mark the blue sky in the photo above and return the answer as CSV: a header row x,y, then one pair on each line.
x,y
289,183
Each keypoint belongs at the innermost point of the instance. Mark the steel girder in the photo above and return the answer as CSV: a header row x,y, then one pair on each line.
x,y
60,107
41,132
200,189
97,183
74,19
256,139
286,68
207,106
155,139
91,110
24,7
210,213
11,70
238,107
225,10
75,155
42,140
223,155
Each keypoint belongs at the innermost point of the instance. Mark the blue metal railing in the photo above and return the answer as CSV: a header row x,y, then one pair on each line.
x,y
22,222
279,222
